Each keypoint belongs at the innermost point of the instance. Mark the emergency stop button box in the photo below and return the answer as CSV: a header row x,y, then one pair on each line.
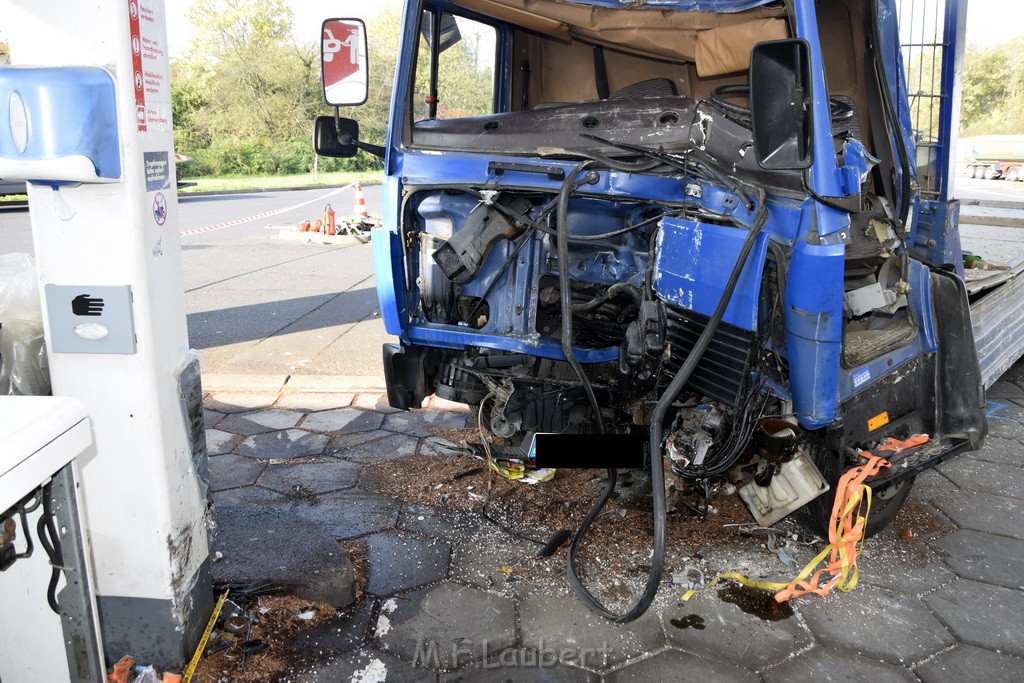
x,y
86,319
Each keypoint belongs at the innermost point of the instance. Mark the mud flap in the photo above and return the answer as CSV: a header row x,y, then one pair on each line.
x,y
409,372
959,390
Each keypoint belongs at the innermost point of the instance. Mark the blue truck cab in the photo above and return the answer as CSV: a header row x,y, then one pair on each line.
x,y
694,220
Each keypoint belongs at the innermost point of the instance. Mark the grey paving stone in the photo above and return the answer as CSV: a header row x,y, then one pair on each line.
x,y
259,421
878,570
283,445
419,422
522,665
451,525
248,495
1004,390
672,666
436,447
211,418
446,626
931,485
310,477
876,623
324,401
980,614
390,447
1003,451
1005,419
343,421
347,514
400,562
554,623
984,557
259,542
239,402
375,402
347,631
342,446
985,477
366,666
985,512
731,619
968,663
836,666
231,471
219,443
478,559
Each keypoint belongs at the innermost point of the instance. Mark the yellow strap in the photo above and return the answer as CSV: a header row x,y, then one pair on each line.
x,y
194,662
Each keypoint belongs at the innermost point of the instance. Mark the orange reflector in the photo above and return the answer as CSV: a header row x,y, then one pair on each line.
x,y
877,421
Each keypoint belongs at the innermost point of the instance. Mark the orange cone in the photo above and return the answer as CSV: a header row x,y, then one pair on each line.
x,y
360,203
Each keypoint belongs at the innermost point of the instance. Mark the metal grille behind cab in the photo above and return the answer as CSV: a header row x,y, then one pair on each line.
x,y
721,371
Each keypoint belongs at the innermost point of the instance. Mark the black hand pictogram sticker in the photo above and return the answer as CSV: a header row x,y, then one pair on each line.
x,y
83,304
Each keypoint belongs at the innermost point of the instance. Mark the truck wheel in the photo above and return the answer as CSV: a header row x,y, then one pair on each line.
x,y
885,504
991,173
979,172
970,171
1013,176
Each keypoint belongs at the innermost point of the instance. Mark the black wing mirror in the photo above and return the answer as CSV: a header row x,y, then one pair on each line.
x,y
780,104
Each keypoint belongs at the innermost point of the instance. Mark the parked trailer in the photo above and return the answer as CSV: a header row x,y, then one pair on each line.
x,y
993,156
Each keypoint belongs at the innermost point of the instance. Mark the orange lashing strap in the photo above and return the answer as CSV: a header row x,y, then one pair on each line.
x,y
894,446
847,527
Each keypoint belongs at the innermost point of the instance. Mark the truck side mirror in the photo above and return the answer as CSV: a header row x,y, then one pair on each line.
x,y
780,104
337,138
343,61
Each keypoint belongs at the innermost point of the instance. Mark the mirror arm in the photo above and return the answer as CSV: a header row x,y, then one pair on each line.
x,y
346,139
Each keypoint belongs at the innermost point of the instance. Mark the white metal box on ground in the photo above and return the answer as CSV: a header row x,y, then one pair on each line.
x,y
40,439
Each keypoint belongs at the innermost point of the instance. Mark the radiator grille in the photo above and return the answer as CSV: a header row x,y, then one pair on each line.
x,y
727,361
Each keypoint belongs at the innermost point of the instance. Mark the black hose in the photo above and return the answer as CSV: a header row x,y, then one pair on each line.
x,y
50,541
609,294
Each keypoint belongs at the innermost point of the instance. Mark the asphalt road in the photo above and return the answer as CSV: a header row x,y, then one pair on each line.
x,y
260,305
969,190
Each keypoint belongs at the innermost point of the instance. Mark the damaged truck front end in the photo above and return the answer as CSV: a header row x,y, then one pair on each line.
x,y
684,219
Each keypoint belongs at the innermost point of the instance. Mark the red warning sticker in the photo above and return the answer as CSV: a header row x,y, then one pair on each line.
x,y
140,90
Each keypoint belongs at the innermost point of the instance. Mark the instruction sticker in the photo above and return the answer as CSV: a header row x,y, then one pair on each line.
x,y
861,377
158,171
149,66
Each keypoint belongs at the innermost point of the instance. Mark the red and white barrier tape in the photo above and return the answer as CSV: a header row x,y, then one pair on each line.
x,y
265,214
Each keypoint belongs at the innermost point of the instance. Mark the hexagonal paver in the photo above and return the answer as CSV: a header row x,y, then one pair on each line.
x,y
478,559
984,512
390,447
551,624
344,633
522,665
211,417
980,614
239,402
248,495
984,557
259,421
985,477
341,446
283,445
258,542
312,477
306,401
219,443
1004,451
676,666
399,562
836,666
375,402
1005,419
231,471
347,514
446,626
436,447
876,623
366,665
876,570
419,422
732,619
968,663
342,421
931,486
1004,390
451,525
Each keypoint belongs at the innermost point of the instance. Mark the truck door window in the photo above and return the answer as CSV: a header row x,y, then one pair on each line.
x,y
465,57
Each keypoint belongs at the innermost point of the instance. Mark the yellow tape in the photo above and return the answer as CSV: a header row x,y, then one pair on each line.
x,y
194,662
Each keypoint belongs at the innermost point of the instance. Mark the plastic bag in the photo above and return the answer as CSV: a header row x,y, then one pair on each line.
x,y
24,370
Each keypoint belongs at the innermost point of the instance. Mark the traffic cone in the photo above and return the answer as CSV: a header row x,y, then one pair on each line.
x,y
317,226
329,220
360,203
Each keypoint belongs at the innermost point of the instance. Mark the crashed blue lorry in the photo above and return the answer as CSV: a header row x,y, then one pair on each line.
x,y
706,222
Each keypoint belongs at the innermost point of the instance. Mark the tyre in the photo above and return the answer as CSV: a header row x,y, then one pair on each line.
x,y
817,515
969,172
991,173
979,172
1014,175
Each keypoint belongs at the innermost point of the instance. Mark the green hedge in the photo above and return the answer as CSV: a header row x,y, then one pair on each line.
x,y
284,157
